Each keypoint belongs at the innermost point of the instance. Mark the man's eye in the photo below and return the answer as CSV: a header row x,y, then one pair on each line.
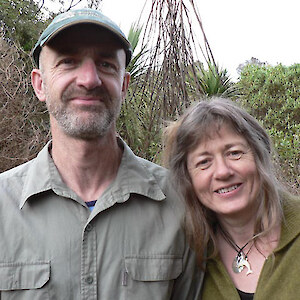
x,y
107,66
67,62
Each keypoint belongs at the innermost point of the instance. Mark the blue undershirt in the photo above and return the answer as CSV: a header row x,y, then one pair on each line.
x,y
91,204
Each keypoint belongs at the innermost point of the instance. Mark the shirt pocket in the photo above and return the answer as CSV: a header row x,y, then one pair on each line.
x,y
24,281
151,277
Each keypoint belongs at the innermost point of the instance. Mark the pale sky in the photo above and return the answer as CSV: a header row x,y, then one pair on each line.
x,y
237,30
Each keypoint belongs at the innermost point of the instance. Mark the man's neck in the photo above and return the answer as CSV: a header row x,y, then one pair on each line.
x,y
87,167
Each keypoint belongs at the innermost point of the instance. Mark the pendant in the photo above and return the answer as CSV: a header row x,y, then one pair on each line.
x,y
237,267
240,262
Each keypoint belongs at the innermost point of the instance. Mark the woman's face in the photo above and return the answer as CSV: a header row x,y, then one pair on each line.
x,y
224,174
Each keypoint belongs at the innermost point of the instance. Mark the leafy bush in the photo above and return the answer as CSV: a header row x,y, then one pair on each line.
x,y
21,21
272,95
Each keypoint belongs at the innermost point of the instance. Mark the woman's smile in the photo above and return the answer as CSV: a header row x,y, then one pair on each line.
x,y
224,173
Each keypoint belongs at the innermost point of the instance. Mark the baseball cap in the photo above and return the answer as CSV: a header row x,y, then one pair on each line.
x,y
80,16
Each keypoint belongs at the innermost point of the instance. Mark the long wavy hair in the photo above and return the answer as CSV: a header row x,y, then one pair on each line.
x,y
195,126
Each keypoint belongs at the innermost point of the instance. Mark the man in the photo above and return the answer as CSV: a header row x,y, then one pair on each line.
x,y
87,219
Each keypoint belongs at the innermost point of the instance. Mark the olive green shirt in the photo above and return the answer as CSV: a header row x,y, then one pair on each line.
x,y
280,275
131,246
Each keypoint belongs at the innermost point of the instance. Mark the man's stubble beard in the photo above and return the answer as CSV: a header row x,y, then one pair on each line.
x,y
95,123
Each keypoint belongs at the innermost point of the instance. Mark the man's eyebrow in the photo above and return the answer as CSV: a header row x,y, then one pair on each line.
x,y
66,50
107,54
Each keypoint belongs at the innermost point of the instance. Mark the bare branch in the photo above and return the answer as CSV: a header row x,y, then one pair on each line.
x,y
23,125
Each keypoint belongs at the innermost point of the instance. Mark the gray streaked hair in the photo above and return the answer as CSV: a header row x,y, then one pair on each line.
x,y
198,124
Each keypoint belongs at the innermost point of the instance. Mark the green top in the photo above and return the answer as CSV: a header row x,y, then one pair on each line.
x,y
131,246
279,278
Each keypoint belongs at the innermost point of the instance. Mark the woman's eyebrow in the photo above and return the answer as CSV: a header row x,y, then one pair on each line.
x,y
228,146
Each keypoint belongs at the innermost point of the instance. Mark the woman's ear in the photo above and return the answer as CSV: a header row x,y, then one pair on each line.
x,y
38,85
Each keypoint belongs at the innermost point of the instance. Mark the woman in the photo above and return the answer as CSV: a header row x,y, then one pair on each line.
x,y
221,161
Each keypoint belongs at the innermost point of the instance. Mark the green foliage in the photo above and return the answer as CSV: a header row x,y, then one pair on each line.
x,y
213,81
139,127
272,95
137,123
21,21
135,68
216,82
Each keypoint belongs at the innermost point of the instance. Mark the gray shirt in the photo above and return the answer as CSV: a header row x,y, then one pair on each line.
x,y
131,246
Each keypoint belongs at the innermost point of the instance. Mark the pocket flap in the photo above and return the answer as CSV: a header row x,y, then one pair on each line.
x,y
153,268
21,276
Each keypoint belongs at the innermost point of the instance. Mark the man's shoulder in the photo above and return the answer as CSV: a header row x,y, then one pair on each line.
x,y
22,170
15,176
160,173
18,171
12,184
153,167
162,177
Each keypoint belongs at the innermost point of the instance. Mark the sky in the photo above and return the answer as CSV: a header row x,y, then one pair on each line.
x,y
237,30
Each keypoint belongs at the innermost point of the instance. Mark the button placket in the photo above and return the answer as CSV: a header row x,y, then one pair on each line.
x,y
89,264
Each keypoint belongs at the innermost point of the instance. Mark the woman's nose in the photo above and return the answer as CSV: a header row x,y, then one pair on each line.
x,y
222,169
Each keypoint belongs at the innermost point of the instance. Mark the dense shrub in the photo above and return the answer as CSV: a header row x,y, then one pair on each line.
x,y
272,95
23,123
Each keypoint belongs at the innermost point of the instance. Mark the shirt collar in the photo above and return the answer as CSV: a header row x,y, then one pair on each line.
x,y
133,177
136,176
38,177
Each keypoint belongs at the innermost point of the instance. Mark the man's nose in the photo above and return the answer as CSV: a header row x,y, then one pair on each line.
x,y
87,75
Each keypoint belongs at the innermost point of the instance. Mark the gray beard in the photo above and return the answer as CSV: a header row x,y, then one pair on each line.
x,y
96,126
99,120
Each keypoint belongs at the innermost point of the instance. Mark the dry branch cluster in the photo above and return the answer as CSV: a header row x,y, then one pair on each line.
x,y
173,52
23,123
168,82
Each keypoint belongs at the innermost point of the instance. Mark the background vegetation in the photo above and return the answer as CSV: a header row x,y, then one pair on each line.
x,y
272,95
167,76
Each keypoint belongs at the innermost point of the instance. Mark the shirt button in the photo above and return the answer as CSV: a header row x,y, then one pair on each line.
x,y
89,227
89,280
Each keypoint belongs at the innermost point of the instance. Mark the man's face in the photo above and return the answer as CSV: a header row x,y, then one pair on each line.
x,y
83,81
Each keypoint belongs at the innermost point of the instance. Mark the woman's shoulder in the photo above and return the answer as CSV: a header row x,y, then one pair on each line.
x,y
290,202
291,212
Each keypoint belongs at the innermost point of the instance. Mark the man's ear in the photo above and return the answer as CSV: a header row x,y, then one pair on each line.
x,y
37,83
125,85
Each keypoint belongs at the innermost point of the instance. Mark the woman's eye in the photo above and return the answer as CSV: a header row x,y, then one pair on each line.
x,y
203,164
237,154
